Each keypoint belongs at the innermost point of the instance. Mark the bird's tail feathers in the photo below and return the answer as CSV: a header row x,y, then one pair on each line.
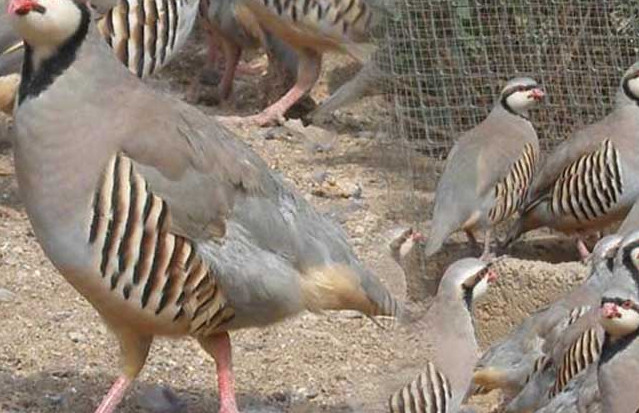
x,y
340,287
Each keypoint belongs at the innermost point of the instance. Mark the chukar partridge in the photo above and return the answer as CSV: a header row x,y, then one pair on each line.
x,y
589,181
311,28
443,384
173,227
489,169
508,364
407,250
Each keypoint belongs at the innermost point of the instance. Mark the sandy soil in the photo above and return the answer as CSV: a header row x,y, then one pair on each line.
x,y
56,355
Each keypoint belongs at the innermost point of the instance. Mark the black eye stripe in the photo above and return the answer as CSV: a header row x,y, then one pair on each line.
x,y
517,89
620,301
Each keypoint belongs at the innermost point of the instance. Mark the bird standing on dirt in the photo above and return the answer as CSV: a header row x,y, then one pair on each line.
x,y
311,28
590,180
443,385
161,218
489,169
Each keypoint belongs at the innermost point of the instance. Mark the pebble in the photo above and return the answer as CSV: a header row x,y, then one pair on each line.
x,y
6,296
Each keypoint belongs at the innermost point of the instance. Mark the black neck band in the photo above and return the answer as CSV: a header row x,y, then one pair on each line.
x,y
35,81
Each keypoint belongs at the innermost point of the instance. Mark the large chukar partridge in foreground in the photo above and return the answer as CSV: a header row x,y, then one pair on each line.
x,y
590,180
311,28
489,169
443,384
159,216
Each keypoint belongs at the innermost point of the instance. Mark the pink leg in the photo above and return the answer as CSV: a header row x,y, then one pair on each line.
x,y
211,64
115,395
231,58
308,71
219,346
582,248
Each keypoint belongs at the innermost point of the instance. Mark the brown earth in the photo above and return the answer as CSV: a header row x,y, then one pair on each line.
x,y
57,356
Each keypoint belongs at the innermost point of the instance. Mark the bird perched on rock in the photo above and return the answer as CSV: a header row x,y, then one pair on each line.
x,y
589,181
174,227
443,385
619,361
489,169
508,364
312,28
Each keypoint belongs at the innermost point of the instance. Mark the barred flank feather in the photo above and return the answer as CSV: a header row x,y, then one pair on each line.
x,y
145,263
145,34
583,352
590,186
430,392
510,193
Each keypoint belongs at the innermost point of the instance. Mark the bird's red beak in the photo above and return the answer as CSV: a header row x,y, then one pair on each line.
x,y
610,311
537,94
24,7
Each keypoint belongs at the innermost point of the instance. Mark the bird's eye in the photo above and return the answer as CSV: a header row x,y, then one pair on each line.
x,y
626,304
521,88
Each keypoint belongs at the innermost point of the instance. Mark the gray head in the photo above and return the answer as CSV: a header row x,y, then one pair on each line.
x,y
628,92
603,254
466,279
405,243
520,95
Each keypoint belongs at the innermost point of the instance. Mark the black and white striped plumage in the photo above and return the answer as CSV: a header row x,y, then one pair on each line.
x,y
146,34
590,180
429,392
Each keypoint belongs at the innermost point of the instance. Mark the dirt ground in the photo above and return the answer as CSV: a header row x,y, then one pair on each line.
x,y
57,356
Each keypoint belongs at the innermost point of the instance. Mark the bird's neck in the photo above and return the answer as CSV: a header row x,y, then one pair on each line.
x,y
42,65
628,93
612,346
503,102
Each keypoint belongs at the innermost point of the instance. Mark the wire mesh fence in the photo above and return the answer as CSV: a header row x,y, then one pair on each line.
x,y
449,60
